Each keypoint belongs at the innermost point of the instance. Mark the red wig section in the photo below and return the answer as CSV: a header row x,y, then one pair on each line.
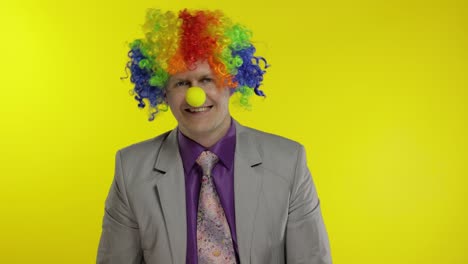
x,y
198,42
195,42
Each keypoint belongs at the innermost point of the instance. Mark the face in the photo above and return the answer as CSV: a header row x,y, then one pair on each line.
x,y
212,118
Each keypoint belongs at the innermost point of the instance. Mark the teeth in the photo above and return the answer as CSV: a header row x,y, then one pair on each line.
x,y
199,109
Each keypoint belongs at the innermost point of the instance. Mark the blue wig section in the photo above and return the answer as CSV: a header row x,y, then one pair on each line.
x,y
249,73
142,77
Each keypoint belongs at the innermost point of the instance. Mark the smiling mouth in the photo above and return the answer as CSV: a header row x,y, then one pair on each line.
x,y
198,109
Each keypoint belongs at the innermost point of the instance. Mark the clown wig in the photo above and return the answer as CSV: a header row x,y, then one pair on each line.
x,y
175,42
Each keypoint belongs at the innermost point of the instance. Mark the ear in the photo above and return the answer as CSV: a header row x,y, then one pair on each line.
x,y
165,95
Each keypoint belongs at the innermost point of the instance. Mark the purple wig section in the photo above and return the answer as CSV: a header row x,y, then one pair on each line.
x,y
249,73
140,77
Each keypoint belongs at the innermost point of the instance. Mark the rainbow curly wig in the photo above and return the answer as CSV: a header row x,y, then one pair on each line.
x,y
175,42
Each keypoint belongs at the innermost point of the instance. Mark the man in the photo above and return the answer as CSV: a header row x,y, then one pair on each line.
x,y
211,190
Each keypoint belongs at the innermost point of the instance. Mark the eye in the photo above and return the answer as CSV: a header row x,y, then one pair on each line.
x,y
181,83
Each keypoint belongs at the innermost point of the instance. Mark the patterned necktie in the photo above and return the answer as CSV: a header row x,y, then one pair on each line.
x,y
214,240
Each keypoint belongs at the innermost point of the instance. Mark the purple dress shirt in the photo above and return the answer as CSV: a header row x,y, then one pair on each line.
x,y
223,178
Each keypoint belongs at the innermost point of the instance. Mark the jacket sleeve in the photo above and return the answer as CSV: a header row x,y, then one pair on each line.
x,y
120,240
306,236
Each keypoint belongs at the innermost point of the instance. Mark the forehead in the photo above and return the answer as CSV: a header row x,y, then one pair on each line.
x,y
199,69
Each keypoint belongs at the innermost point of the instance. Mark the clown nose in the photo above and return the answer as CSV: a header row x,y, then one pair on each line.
x,y
195,96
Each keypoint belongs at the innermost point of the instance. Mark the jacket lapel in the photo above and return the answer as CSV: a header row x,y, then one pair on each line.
x,y
171,190
247,185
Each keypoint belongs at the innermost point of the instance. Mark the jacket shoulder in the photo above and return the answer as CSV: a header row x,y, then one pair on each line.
x,y
272,142
144,149
280,156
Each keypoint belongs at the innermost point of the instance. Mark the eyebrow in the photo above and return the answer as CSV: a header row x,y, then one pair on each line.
x,y
210,75
207,75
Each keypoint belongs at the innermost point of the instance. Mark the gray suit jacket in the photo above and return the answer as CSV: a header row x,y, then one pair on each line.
x,y
278,217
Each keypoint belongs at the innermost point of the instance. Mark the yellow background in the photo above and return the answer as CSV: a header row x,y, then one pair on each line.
x,y
375,90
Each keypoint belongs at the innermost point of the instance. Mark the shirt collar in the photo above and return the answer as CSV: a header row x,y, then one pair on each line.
x,y
224,149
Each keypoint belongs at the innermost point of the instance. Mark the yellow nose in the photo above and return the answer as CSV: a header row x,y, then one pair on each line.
x,y
195,96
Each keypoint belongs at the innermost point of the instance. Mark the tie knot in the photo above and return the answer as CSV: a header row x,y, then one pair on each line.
x,y
207,160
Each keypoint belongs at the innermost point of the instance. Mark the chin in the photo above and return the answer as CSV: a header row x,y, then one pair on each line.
x,y
199,128
202,126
